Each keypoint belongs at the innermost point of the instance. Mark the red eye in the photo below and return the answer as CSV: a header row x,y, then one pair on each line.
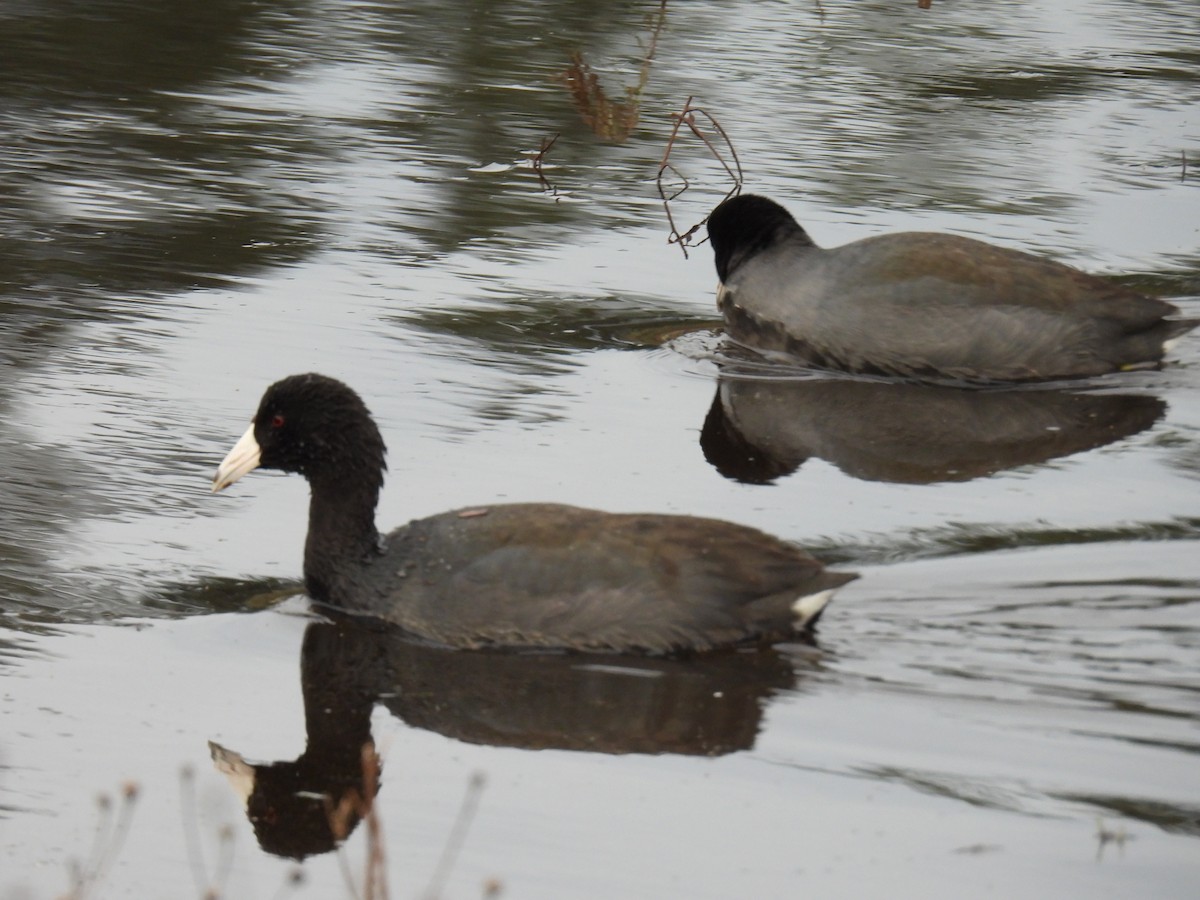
x,y
277,420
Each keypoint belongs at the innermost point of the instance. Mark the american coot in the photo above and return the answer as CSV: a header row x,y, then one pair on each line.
x,y
519,575
925,304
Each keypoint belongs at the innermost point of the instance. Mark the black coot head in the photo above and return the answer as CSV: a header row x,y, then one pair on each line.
x,y
745,225
313,425
310,421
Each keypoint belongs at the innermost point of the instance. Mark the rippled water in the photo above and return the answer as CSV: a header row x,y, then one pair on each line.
x,y
199,199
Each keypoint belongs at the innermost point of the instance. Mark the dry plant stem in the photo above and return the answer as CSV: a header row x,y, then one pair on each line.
x,y
648,57
536,163
362,805
375,887
688,117
665,166
83,875
457,837
347,875
191,830
110,837
224,860
339,827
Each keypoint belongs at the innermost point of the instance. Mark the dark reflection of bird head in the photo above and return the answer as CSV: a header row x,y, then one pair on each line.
x,y
736,457
292,815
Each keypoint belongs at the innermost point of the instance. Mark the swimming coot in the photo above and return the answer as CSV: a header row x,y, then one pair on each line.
x,y
520,575
925,304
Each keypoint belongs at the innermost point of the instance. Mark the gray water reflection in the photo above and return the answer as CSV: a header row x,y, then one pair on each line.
x,y
761,429
541,701
200,199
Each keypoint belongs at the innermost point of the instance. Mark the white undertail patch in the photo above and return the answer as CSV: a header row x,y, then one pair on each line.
x,y
809,607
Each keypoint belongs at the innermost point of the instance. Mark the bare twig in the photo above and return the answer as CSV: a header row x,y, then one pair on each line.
x,y
538,160
224,869
191,833
376,880
355,805
457,836
208,887
687,117
110,837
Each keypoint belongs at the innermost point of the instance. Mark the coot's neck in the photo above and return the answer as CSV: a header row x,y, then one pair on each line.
x,y
758,237
342,536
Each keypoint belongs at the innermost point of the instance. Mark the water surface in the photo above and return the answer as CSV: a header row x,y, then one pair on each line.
x,y
199,201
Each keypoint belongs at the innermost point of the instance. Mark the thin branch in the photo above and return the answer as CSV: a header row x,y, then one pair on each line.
x,y
111,831
191,828
687,117
457,836
353,806
537,161
376,881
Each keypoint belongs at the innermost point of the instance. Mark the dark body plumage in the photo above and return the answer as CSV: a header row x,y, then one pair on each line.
x,y
925,304
520,575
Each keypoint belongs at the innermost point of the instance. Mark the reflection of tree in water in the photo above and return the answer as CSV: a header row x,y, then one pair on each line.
x,y
1174,818
951,109
526,341
540,334
159,149
114,187
613,120
154,150
114,183
30,472
493,92
1007,794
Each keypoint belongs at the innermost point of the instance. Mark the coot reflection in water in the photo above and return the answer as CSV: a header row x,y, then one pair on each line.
x,y
566,701
760,429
